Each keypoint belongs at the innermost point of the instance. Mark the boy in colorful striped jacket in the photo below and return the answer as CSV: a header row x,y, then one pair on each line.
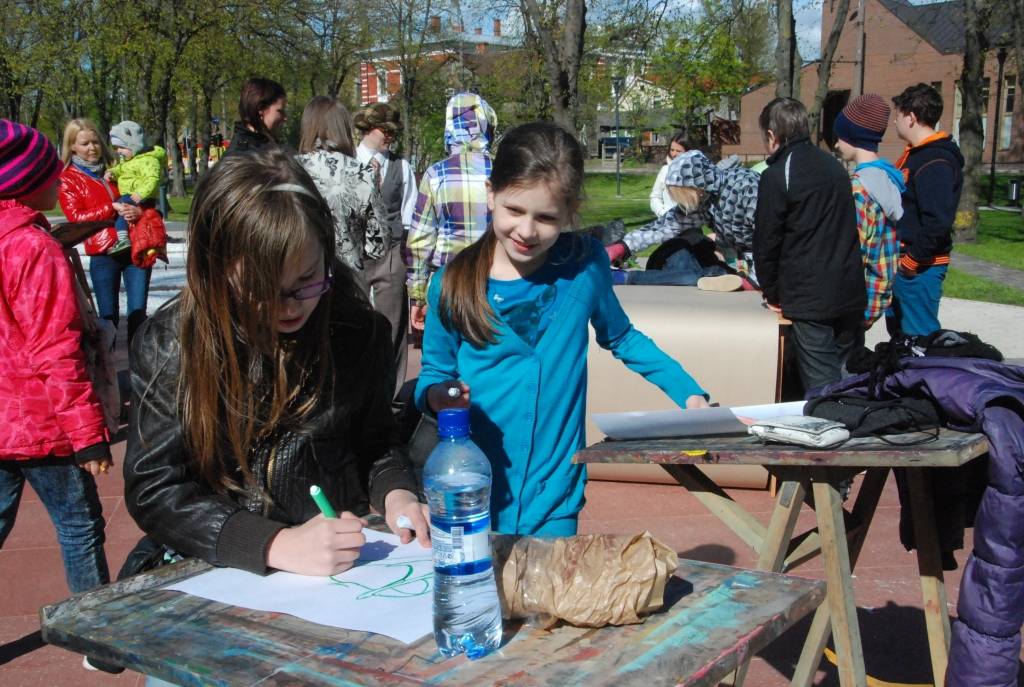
x,y
877,187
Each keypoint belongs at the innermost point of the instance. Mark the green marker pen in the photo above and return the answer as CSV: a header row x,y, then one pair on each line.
x,y
321,502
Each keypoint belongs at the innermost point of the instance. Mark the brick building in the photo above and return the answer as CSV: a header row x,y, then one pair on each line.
x,y
904,44
379,75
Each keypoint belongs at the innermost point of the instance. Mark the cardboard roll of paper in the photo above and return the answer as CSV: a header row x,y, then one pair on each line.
x,y
727,341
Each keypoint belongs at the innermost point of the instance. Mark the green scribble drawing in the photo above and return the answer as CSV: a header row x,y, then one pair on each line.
x,y
406,585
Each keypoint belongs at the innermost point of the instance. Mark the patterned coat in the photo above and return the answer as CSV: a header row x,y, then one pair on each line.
x,y
356,206
47,403
730,198
451,208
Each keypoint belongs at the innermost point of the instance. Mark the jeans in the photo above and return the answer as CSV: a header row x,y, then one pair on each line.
x,y
822,347
121,224
69,494
915,303
107,272
680,269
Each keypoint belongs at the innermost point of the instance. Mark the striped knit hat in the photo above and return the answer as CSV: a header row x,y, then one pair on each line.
x,y
28,161
862,122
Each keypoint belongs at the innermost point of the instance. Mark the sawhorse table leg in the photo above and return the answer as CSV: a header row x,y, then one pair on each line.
x,y
821,626
929,567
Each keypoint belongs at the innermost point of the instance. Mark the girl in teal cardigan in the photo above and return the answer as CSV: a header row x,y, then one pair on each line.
x,y
506,334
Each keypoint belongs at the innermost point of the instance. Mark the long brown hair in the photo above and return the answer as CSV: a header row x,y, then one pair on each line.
x,y
326,125
529,154
239,382
257,95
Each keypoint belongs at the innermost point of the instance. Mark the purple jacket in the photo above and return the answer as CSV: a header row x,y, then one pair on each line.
x,y
979,395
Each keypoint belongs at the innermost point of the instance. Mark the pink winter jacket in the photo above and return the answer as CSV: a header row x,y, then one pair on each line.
x,y
47,403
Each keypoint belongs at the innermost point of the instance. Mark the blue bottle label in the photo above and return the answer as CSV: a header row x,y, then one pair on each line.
x,y
461,548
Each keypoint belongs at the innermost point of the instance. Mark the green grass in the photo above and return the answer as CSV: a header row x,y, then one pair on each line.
x,y
179,207
962,285
999,189
602,205
1000,239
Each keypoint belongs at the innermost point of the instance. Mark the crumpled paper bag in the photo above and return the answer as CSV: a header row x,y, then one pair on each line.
x,y
589,580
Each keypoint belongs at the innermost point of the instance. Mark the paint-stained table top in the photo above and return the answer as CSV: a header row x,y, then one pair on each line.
x,y
715,616
949,450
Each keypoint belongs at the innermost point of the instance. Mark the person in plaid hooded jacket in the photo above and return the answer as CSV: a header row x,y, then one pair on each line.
x,y
451,211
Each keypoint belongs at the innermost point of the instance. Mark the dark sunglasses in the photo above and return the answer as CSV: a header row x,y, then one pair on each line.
x,y
304,293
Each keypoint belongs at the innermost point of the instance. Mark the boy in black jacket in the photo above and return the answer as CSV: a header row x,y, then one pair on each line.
x,y
932,168
806,247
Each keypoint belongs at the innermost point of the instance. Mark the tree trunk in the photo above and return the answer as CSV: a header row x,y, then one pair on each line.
x,y
191,141
37,107
1017,125
177,167
972,140
785,49
842,9
205,133
562,57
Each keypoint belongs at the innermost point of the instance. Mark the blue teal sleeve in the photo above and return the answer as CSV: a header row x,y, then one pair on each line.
x,y
617,334
440,346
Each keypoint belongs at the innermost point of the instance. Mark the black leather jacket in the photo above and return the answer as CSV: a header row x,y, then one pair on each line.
x,y
350,449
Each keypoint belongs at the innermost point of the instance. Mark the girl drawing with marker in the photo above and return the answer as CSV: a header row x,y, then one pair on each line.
x,y
268,375
507,330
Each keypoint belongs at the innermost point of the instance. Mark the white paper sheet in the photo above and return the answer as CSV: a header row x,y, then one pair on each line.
x,y
659,424
389,591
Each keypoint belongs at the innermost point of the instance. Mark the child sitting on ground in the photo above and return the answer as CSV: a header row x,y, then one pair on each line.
x,y
508,318
137,175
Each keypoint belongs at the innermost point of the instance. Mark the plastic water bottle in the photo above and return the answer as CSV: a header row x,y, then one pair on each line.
x,y
457,481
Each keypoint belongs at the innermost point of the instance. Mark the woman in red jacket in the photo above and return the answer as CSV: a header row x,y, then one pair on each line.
x,y
86,197
52,429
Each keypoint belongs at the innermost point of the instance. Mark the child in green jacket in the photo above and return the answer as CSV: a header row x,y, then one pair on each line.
x,y
137,175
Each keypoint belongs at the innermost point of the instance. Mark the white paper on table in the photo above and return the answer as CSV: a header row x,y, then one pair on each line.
x,y
389,591
659,424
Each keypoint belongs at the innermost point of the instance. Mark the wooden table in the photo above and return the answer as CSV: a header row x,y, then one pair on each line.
x,y
815,475
715,617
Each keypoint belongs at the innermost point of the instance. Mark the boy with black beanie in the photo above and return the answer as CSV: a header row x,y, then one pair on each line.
x,y
877,187
932,168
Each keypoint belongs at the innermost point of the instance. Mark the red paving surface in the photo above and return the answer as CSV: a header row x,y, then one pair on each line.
x,y
886,585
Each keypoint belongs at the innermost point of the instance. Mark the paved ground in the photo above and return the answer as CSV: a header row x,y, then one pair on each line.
x,y
888,595
988,270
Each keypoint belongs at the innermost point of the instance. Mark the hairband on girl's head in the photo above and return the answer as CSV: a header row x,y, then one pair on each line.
x,y
293,188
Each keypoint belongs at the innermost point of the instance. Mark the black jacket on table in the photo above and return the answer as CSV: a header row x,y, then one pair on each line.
x,y
806,248
347,448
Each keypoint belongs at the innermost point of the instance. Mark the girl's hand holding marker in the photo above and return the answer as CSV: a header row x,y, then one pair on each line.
x,y
325,545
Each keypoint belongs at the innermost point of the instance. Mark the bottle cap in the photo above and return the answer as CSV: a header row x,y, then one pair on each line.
x,y
453,422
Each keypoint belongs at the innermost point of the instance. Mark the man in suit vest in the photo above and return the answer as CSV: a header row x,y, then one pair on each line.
x,y
380,126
